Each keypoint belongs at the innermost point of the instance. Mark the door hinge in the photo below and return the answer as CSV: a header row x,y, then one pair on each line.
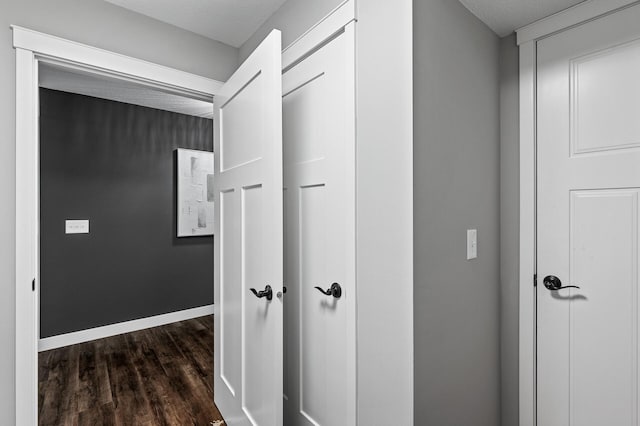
x,y
33,285
535,280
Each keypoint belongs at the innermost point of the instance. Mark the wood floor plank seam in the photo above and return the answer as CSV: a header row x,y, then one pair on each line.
x,y
159,376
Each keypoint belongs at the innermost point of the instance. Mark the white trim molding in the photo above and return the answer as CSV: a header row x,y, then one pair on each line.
x,y
31,48
578,14
26,362
527,312
528,38
88,335
48,47
319,34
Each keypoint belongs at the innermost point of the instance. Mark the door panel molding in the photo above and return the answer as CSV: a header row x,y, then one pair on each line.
x,y
618,296
605,118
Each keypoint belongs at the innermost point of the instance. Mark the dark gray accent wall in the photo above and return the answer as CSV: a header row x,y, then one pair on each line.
x,y
456,187
115,164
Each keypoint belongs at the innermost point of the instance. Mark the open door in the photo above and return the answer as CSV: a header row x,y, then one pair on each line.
x,y
248,262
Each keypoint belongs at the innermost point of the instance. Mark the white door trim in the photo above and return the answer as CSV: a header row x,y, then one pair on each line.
x,y
578,14
318,34
54,48
26,361
527,40
31,47
527,311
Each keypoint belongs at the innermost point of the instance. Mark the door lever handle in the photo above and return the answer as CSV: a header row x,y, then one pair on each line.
x,y
335,290
553,283
267,292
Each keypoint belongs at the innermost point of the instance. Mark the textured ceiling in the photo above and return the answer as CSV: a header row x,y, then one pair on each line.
x,y
229,21
505,16
56,78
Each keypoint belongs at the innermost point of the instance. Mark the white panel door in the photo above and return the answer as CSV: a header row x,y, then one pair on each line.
x,y
319,174
248,241
587,208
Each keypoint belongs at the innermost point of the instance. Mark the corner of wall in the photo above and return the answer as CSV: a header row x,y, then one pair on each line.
x,y
457,187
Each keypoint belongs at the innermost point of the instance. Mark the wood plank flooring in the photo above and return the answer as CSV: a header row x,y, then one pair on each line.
x,y
158,376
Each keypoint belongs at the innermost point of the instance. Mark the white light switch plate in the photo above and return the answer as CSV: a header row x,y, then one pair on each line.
x,y
76,226
472,244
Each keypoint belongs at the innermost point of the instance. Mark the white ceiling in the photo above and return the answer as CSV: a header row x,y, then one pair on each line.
x,y
234,21
505,16
99,86
229,21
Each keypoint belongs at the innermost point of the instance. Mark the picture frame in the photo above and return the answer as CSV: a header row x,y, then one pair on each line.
x,y
195,195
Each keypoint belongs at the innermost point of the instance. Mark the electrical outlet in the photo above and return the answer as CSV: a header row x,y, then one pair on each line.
x,y
76,226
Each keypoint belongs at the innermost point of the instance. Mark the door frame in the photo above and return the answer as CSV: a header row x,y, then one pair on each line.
x,y
31,48
527,39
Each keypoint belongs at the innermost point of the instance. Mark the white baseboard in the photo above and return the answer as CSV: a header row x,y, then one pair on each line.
x,y
120,328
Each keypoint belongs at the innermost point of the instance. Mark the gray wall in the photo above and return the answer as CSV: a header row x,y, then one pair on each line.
x,y
456,179
100,24
293,18
509,223
115,164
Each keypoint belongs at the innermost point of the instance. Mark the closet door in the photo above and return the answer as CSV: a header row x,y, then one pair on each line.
x,y
319,173
588,223
248,241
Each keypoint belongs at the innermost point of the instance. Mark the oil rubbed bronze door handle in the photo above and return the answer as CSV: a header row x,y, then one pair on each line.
x,y
335,290
267,292
553,283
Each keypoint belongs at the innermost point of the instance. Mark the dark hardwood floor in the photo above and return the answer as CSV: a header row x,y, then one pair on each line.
x,y
158,376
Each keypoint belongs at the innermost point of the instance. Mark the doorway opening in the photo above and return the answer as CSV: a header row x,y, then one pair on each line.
x,y
65,73
110,255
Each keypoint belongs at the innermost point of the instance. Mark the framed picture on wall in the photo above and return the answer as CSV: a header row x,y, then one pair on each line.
x,y
195,193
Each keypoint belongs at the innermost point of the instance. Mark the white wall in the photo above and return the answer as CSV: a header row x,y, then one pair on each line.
x,y
97,23
456,178
385,216
509,227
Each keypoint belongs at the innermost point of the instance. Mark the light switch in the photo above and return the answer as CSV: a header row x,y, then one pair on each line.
x,y
472,244
76,226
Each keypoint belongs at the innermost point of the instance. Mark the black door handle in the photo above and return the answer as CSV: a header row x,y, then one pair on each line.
x,y
335,290
553,283
267,292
